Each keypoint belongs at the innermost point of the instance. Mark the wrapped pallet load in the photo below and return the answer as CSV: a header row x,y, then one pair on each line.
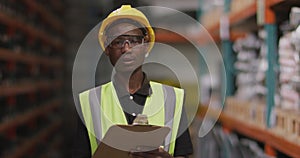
x,y
289,49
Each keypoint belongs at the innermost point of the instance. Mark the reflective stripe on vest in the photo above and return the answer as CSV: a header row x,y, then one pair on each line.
x,y
99,117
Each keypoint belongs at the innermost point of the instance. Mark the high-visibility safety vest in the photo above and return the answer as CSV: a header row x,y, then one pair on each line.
x,y
163,108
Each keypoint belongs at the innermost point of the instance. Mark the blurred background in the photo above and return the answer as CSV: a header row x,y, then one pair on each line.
x,y
259,41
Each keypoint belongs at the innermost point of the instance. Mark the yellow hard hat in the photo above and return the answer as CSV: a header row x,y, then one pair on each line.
x,y
126,12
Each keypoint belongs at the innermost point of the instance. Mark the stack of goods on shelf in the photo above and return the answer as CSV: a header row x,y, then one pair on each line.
x,y
288,69
251,66
289,49
287,115
30,76
248,103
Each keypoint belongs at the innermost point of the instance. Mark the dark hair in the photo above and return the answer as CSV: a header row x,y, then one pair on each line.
x,y
129,21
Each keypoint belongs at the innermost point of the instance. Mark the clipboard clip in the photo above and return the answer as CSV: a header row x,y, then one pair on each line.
x,y
141,119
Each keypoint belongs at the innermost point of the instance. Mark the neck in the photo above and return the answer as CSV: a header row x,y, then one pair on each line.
x,y
133,82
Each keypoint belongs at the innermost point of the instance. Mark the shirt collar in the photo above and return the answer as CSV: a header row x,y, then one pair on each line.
x,y
145,89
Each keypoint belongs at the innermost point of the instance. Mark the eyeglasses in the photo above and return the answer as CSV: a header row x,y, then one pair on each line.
x,y
132,41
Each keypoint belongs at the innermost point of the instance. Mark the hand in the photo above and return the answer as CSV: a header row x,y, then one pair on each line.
x,y
157,153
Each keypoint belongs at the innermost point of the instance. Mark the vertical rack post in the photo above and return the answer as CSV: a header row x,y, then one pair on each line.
x,y
228,61
270,27
199,10
227,50
271,41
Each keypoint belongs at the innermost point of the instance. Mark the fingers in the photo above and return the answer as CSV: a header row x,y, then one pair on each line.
x,y
134,155
143,153
161,149
140,155
157,153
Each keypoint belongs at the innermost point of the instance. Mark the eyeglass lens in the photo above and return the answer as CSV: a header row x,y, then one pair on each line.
x,y
132,41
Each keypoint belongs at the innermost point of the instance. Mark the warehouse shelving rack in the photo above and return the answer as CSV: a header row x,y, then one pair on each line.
x,y
266,136
44,110
272,140
31,115
34,141
246,17
30,30
6,54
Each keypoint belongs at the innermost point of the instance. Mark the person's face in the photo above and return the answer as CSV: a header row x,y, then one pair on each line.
x,y
125,49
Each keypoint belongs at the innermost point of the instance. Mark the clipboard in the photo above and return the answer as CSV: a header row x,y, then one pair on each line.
x,y
120,139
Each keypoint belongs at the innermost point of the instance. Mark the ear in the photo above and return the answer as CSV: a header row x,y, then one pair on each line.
x,y
146,38
106,51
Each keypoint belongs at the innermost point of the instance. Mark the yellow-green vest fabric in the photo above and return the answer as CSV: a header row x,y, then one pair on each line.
x,y
101,109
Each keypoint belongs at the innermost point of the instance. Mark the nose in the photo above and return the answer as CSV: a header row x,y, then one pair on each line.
x,y
126,46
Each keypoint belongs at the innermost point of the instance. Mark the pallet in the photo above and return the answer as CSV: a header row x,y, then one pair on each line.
x,y
250,112
287,124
